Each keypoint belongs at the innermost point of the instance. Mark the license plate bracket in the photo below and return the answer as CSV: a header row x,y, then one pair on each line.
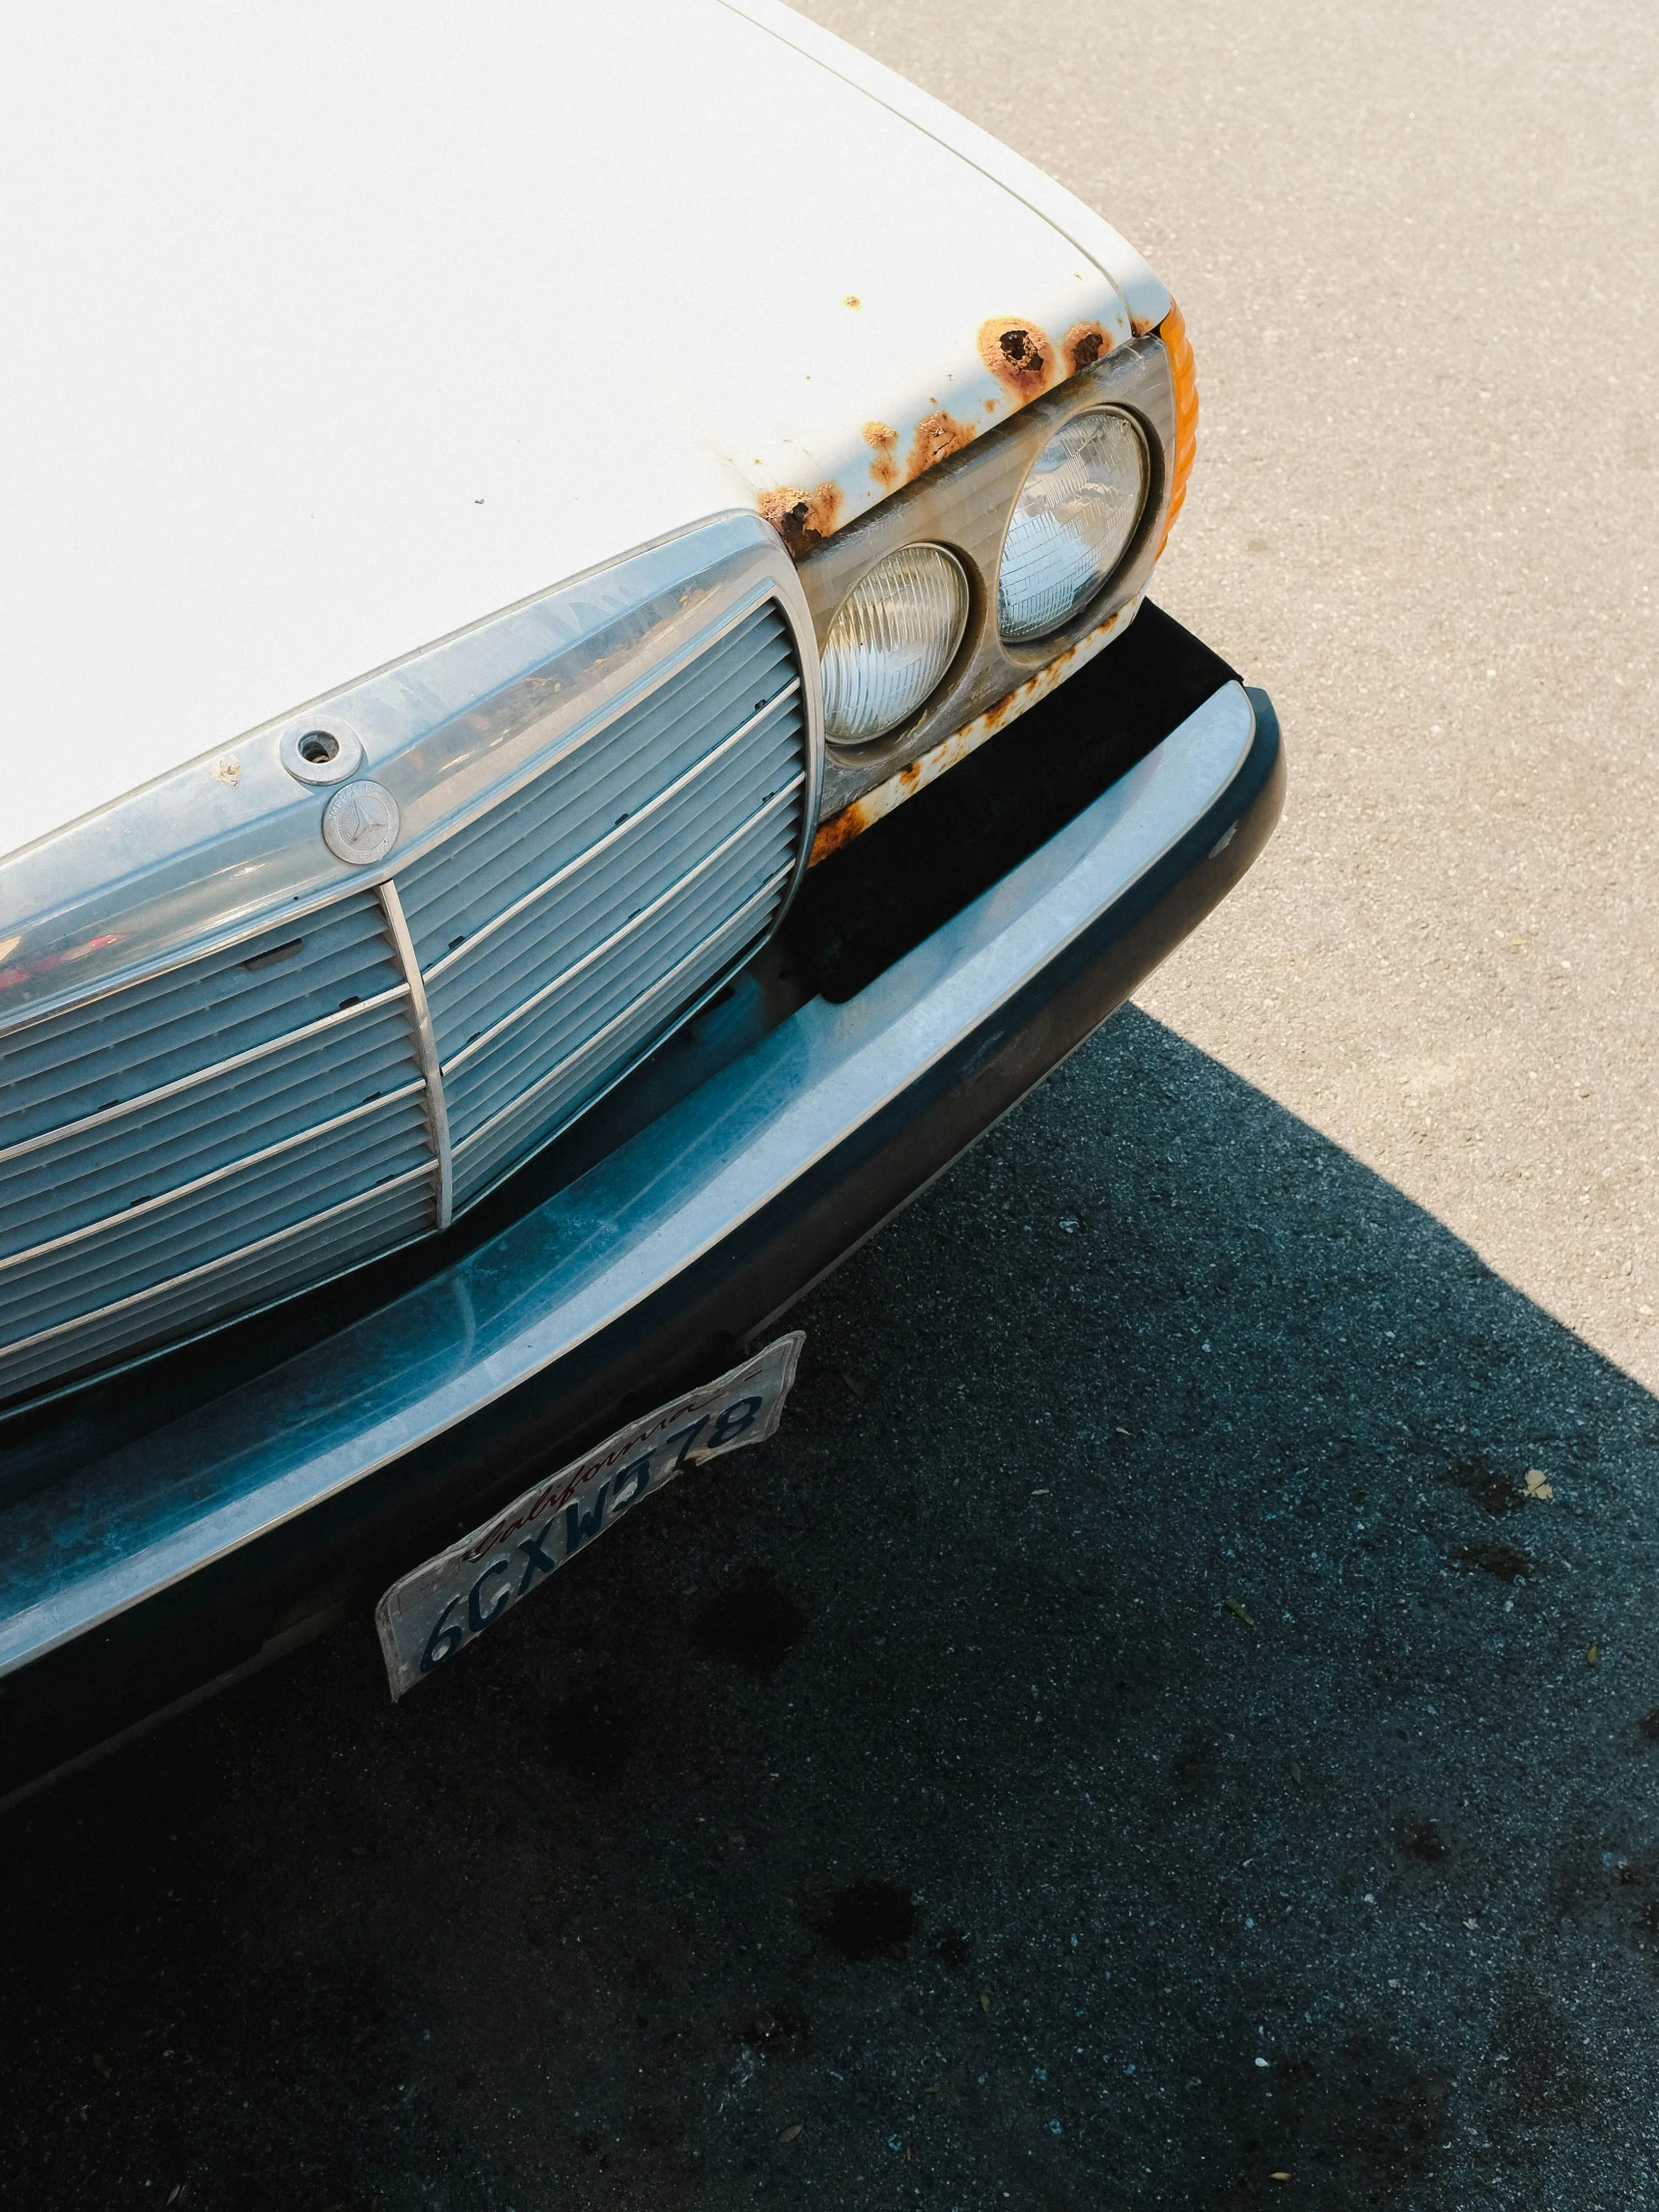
x,y
445,1605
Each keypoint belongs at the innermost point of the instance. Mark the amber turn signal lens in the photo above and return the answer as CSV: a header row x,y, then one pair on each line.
x,y
1173,331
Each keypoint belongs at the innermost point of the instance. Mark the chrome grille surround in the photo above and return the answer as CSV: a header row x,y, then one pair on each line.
x,y
240,1067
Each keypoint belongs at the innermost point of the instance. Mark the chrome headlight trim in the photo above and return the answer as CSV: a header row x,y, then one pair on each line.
x,y
965,504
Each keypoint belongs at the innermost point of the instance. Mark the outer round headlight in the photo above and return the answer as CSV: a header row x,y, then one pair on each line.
x,y
892,640
1080,509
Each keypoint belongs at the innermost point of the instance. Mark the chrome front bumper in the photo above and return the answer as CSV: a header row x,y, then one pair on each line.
x,y
418,1417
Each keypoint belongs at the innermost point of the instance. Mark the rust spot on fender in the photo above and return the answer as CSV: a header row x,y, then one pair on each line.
x,y
1019,355
1083,346
1140,328
884,440
938,437
803,519
839,831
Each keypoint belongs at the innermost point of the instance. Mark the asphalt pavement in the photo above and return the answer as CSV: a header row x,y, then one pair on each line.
x,y
1173,1719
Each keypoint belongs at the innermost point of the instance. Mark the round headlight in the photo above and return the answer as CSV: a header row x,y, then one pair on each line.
x,y
1077,512
892,640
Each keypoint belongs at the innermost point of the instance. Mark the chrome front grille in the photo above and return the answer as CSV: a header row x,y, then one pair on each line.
x,y
156,1136
567,923
232,1129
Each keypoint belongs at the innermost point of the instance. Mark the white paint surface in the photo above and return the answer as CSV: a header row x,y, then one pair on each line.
x,y
331,328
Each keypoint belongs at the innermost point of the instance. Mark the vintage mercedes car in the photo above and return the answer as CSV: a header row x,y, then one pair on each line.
x,y
581,716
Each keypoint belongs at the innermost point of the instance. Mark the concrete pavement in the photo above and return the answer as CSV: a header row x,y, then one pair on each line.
x,y
1418,251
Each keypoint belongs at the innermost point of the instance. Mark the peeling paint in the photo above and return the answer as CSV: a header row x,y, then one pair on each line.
x,y
1084,345
884,467
1022,359
915,776
938,437
803,519
1018,355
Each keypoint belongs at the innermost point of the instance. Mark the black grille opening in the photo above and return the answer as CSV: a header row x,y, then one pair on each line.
x,y
878,897
275,955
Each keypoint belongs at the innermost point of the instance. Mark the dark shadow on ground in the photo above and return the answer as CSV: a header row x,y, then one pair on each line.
x,y
1131,1737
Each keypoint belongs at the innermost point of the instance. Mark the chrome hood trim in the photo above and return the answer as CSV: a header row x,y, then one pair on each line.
x,y
224,846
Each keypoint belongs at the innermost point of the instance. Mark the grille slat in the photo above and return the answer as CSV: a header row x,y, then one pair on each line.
x,y
219,1135
552,1028
628,828
98,1172
600,932
317,1170
566,917
175,1024
572,1083
452,891
592,901
309,1253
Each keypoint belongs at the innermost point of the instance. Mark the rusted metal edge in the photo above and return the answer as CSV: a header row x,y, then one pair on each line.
x,y
874,806
1022,363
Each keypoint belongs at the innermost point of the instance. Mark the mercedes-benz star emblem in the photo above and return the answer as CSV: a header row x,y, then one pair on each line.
x,y
360,824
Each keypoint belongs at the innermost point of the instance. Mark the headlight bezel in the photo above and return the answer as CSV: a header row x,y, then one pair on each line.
x,y
964,504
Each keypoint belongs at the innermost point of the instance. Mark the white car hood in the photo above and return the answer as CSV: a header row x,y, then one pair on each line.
x,y
333,328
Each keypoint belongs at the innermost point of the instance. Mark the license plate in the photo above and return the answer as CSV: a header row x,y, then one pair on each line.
x,y
429,1616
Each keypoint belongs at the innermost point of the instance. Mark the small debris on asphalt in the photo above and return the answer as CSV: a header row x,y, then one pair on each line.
x,y
984,2001
788,2134
1538,1483
1233,1606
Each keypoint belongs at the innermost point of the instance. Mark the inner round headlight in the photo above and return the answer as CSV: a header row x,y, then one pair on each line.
x,y
894,637
1080,509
